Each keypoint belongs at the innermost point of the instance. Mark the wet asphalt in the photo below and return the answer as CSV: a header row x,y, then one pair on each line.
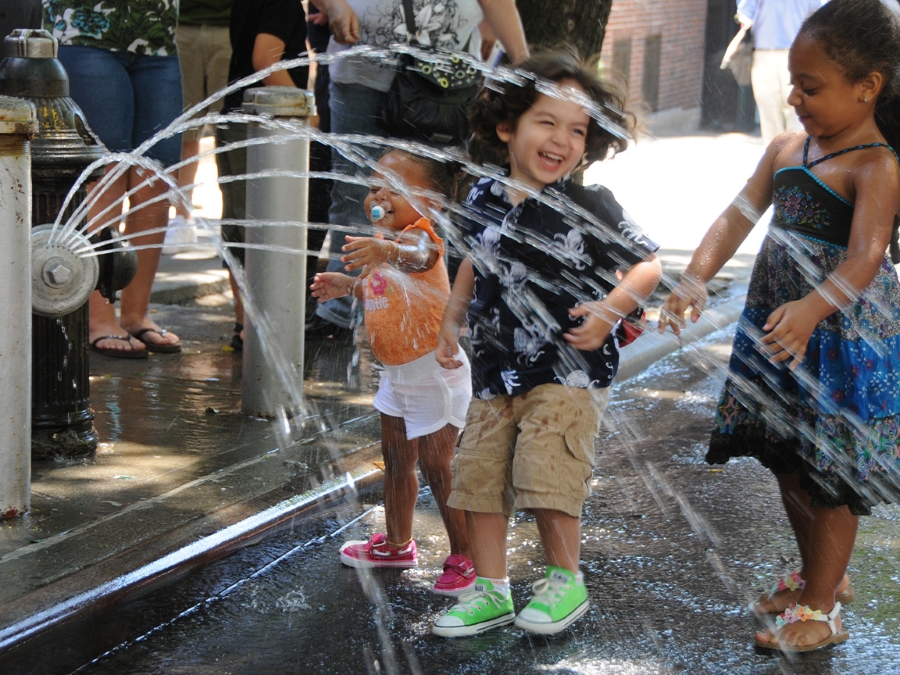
x,y
673,550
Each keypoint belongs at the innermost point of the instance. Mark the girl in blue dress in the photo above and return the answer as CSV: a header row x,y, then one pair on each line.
x,y
814,379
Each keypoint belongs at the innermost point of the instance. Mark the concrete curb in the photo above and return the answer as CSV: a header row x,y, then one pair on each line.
x,y
652,346
23,642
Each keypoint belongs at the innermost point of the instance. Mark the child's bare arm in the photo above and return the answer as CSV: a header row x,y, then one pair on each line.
x,y
455,316
599,317
791,325
720,243
413,251
330,285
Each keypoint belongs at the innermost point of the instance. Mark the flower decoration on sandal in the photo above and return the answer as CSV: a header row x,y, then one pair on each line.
x,y
792,582
796,613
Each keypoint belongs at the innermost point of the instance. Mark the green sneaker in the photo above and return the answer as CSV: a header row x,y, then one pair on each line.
x,y
558,601
478,611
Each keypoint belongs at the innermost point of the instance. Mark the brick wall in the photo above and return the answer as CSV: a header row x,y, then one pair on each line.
x,y
681,27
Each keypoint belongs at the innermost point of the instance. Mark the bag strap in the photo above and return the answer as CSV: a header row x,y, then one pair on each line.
x,y
410,19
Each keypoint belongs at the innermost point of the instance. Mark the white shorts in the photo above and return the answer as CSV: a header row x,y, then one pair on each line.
x,y
427,396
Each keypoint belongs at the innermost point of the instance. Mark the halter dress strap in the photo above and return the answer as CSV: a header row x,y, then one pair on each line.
x,y
809,165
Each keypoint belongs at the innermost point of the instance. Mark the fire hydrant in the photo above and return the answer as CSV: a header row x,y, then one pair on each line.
x,y
62,279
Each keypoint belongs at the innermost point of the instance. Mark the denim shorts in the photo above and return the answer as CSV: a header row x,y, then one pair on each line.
x,y
126,98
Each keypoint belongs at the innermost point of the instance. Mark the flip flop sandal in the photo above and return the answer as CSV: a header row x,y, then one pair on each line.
x,y
794,582
796,613
155,346
129,353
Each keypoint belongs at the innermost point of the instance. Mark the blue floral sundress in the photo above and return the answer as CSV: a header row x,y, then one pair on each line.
x,y
836,418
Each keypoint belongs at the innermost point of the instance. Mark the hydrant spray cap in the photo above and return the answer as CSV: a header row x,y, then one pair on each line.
x,y
30,43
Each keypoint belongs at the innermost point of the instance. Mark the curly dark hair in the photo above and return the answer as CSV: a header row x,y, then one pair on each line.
x,y
861,37
506,101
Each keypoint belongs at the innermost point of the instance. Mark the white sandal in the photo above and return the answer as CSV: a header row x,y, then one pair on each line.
x,y
796,613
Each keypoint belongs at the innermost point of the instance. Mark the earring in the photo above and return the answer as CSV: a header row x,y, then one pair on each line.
x,y
865,99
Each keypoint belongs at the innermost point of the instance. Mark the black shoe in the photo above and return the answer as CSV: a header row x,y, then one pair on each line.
x,y
318,328
237,342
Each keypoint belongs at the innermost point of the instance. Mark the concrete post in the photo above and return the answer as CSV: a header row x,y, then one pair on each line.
x,y
18,121
276,278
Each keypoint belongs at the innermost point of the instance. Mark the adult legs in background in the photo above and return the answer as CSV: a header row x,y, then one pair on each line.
x,y
771,87
204,53
126,100
354,110
234,207
135,299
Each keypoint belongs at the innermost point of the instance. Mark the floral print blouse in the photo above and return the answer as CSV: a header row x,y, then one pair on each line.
x,y
143,27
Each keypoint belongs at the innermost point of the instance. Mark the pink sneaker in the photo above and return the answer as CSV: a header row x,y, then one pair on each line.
x,y
377,553
458,576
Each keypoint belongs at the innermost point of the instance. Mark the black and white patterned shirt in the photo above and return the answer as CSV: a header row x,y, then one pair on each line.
x,y
533,263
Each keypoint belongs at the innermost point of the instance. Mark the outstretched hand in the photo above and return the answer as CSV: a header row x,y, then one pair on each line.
x,y
330,285
789,328
366,253
691,294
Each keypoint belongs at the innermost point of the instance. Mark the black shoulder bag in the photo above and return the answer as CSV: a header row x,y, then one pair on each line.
x,y
428,98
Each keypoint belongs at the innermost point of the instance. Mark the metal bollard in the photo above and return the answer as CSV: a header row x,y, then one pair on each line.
x,y
277,279
62,421
17,123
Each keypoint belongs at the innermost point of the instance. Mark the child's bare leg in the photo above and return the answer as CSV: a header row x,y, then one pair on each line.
x,y
829,538
435,452
560,537
401,485
796,504
487,540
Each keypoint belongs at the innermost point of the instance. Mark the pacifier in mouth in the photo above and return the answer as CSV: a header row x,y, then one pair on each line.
x,y
379,211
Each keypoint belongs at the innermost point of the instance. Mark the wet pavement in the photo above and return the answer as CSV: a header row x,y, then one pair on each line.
x,y
673,551
182,478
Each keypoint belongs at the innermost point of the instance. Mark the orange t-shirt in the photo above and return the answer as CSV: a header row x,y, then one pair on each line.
x,y
403,310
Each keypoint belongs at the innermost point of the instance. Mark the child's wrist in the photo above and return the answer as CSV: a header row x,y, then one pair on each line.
x,y
607,313
393,255
837,292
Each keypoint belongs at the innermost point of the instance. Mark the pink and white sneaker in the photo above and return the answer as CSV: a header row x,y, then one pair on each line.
x,y
458,576
378,553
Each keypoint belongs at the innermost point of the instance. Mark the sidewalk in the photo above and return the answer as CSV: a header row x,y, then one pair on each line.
x,y
182,477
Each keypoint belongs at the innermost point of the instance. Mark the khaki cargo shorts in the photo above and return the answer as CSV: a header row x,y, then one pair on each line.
x,y
534,451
